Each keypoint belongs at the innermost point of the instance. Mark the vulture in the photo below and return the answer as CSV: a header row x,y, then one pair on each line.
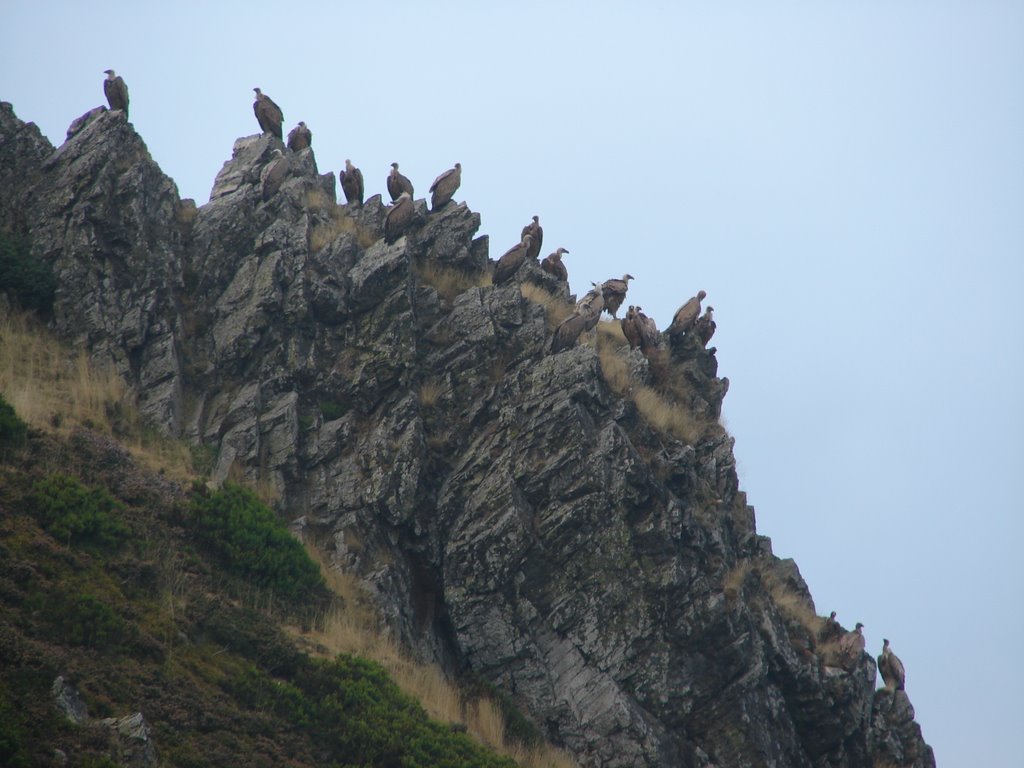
x,y
273,174
831,630
511,261
591,306
889,664
705,326
444,187
631,327
397,184
399,218
649,336
116,91
568,331
352,183
300,137
536,233
553,265
268,114
852,643
686,315
614,293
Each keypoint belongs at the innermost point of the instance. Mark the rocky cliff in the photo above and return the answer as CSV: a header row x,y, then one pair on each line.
x,y
567,526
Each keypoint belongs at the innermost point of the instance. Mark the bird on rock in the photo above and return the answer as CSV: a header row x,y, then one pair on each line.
x,y
631,328
274,174
444,187
891,668
686,315
704,326
553,265
615,293
536,233
511,261
397,183
299,137
352,183
268,114
116,91
399,218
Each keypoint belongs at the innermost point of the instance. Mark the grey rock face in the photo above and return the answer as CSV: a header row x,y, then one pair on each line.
x,y
514,513
69,702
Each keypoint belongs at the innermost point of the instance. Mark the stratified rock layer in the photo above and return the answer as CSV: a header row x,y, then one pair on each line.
x,y
525,516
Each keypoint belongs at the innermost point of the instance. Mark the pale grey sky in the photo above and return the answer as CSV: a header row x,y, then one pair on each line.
x,y
845,180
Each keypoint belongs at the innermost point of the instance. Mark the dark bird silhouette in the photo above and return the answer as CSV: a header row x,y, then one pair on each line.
x,y
268,114
891,668
568,331
536,233
116,91
444,187
300,137
399,218
686,315
631,328
649,335
352,183
704,326
831,630
553,265
851,645
397,183
511,261
274,174
615,293
591,306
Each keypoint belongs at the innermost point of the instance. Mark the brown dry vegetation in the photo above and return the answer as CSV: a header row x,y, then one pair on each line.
x,y
54,389
448,281
556,309
430,392
354,627
338,224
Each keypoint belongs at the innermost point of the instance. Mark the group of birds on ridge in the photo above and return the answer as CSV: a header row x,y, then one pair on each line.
x,y
851,646
640,331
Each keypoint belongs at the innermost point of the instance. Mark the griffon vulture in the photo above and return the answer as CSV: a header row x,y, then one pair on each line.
x,y
511,261
399,218
300,137
397,183
268,114
116,91
553,265
352,183
686,315
614,293
444,187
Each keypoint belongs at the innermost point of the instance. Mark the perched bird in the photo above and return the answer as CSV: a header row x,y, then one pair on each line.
x,y
444,187
553,265
830,630
511,261
851,645
352,183
705,325
116,91
268,114
536,233
568,331
615,293
399,218
274,174
649,336
300,137
591,306
631,327
397,183
891,668
686,315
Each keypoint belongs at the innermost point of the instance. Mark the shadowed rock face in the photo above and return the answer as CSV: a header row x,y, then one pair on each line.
x,y
511,512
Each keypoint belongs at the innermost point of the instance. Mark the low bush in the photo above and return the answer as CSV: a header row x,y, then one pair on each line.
x,y
253,542
12,429
77,513
28,281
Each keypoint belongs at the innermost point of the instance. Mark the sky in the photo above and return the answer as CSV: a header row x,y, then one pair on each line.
x,y
845,180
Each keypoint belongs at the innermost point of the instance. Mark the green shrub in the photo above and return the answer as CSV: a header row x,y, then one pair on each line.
x,y
12,736
30,282
12,429
253,542
71,511
351,709
91,622
332,409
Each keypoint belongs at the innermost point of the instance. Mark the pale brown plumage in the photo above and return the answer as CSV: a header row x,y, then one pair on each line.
x,y
615,293
591,306
300,137
851,645
891,668
536,233
274,174
268,114
352,183
116,91
568,331
397,183
704,326
649,336
511,261
631,327
399,218
686,315
444,187
553,265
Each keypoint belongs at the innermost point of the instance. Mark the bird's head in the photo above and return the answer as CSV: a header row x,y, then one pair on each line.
x,y
832,615
536,219
627,277
109,73
458,166
701,295
560,251
348,165
858,627
395,166
301,124
885,643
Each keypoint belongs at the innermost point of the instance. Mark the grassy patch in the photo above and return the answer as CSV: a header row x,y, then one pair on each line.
x,y
556,309
450,282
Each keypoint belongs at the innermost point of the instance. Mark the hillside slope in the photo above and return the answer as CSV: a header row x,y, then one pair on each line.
x,y
567,526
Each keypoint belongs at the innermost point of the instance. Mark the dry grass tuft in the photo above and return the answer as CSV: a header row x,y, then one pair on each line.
x,y
448,281
556,309
340,223
609,332
665,416
615,371
354,627
733,583
55,389
430,392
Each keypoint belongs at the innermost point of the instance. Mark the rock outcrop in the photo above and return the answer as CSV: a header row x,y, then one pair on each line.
x,y
575,536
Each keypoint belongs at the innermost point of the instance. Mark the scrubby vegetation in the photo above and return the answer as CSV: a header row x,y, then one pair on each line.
x,y
25,279
12,429
77,513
